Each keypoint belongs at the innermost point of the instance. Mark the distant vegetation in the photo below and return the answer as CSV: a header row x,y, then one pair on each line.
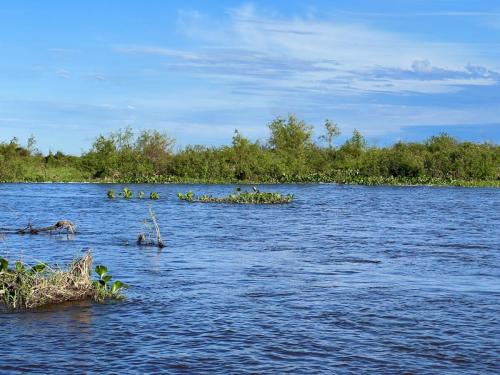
x,y
291,154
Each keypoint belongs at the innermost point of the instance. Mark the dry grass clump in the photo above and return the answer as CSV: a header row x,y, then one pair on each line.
x,y
23,287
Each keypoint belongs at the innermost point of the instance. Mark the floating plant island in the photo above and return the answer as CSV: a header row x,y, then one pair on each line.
x,y
239,197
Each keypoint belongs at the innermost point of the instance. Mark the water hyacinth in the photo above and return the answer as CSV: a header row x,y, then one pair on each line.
x,y
246,197
127,193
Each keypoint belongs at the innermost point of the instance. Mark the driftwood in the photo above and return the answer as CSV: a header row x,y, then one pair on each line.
x,y
61,225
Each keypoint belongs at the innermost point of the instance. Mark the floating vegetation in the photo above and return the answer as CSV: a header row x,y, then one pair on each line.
x,y
151,235
25,287
127,193
245,197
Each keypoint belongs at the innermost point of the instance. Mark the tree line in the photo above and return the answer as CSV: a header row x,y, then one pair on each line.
x,y
290,154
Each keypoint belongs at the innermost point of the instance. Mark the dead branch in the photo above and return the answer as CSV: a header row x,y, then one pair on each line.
x,y
157,228
145,238
61,225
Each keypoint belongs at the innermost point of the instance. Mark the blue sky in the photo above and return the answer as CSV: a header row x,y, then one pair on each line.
x,y
396,70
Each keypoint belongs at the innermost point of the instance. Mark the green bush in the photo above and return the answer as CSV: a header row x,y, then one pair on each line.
x,y
289,155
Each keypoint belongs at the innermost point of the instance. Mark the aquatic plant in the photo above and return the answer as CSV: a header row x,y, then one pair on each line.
x,y
103,283
189,196
248,197
127,193
24,287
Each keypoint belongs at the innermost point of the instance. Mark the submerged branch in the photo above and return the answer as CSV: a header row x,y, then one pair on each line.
x,y
61,225
145,239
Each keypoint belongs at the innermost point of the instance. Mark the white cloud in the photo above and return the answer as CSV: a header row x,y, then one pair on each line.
x,y
250,66
308,54
167,52
96,76
62,73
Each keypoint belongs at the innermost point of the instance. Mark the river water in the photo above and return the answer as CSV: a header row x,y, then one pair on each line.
x,y
346,279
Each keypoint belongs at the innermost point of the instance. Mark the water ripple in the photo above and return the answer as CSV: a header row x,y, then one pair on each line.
x,y
347,279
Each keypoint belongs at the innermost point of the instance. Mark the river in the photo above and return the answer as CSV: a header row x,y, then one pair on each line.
x,y
346,279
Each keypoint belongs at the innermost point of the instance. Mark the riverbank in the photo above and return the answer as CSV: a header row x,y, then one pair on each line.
x,y
290,155
347,179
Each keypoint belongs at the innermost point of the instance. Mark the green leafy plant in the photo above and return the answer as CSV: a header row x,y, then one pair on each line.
x,y
19,266
154,195
39,267
111,194
127,193
103,283
189,196
289,155
4,265
252,197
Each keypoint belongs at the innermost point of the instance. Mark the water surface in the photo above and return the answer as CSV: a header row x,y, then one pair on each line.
x,y
347,279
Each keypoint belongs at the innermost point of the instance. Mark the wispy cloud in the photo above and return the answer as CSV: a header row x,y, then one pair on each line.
x,y
62,73
62,50
167,52
97,77
419,14
251,50
254,66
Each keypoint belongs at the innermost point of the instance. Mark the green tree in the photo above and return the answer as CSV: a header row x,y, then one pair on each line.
x,y
332,131
355,145
290,138
156,147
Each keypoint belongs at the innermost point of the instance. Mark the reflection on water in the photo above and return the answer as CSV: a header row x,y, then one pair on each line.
x,y
78,314
347,279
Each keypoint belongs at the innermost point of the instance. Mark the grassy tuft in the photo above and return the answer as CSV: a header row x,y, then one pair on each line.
x,y
24,287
